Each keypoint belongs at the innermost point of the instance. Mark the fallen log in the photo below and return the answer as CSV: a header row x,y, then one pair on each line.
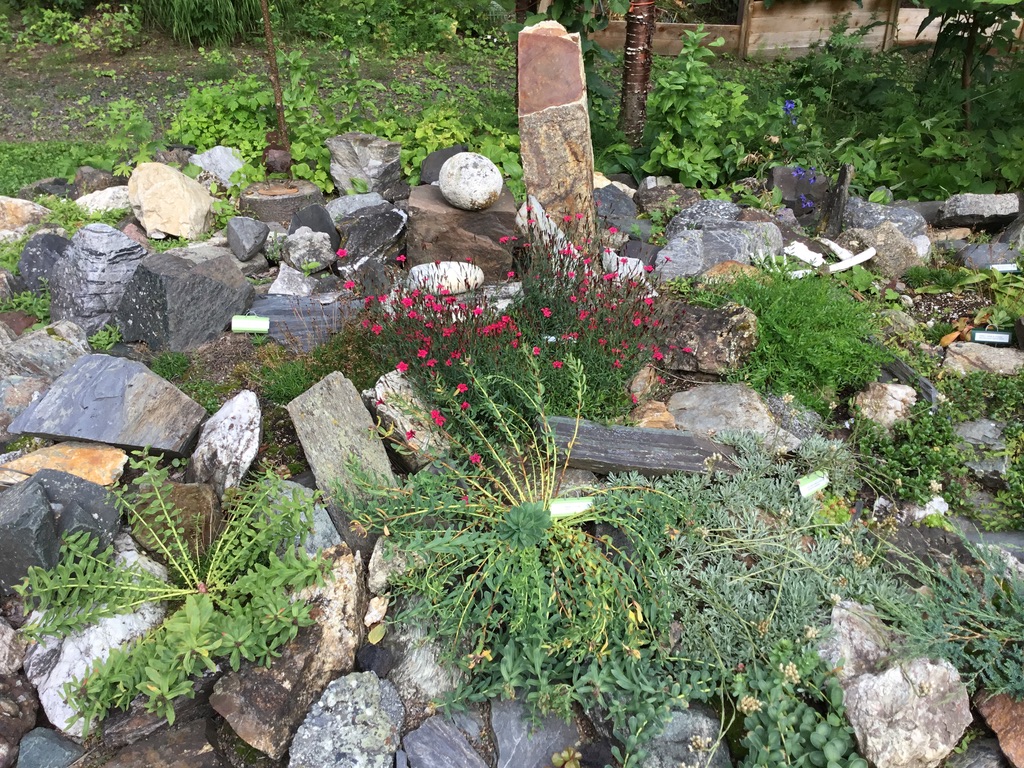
x,y
651,452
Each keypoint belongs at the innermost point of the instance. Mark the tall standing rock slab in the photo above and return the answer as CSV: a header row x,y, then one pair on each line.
x,y
38,258
170,303
120,402
88,281
167,202
362,157
554,124
333,427
28,533
228,444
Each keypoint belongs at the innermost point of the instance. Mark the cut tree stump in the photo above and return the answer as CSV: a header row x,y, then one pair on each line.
x,y
272,201
651,452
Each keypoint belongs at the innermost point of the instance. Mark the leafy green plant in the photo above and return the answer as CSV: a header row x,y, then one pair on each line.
x,y
920,458
22,163
105,338
228,600
934,280
170,365
31,303
811,338
214,21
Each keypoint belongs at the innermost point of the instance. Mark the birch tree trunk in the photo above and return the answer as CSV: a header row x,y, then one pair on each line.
x,y
636,70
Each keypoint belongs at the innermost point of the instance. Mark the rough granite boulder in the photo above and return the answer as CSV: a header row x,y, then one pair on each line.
x,y
376,233
711,408
470,181
88,281
38,258
46,353
228,444
861,214
16,213
698,339
691,252
974,210
172,304
167,202
361,157
894,252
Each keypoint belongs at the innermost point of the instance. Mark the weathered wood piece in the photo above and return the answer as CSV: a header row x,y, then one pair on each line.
x,y
907,375
831,223
651,452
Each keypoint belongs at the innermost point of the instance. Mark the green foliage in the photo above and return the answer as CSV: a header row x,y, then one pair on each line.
x,y
228,598
811,338
105,338
939,280
286,380
106,28
31,303
972,616
920,457
170,365
206,22
22,163
783,700
130,137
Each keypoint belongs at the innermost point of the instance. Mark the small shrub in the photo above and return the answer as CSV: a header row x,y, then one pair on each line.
x,y
105,338
31,303
170,365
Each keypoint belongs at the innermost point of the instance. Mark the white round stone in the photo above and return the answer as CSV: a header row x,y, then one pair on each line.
x,y
453,276
470,181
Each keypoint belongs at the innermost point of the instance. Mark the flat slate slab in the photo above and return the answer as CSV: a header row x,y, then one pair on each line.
x,y
303,322
651,452
115,401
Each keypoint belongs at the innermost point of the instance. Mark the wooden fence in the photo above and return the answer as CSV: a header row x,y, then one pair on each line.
x,y
790,28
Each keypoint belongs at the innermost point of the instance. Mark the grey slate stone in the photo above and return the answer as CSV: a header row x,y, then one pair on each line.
x,y
38,258
219,161
376,233
215,248
987,255
317,219
1014,234
28,535
614,204
366,158
700,214
88,281
46,748
984,753
430,168
973,210
79,505
246,237
861,214
691,252
172,304
692,736
523,744
681,256
346,205
115,401
438,744
47,352
303,322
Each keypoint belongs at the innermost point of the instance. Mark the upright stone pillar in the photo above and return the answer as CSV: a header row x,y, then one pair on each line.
x,y
554,125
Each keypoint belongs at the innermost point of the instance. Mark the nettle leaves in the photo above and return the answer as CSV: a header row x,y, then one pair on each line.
x,y
525,525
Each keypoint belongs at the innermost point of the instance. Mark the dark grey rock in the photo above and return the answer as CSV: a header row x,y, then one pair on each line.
x,y
115,401
430,168
38,258
525,744
362,157
376,233
376,659
346,205
246,237
19,706
1014,234
217,248
665,200
47,352
973,210
79,505
681,256
303,322
88,281
172,304
984,452
987,255
692,736
370,276
984,753
88,180
52,185
45,748
645,252
720,339
861,214
700,214
317,219
691,252
186,746
930,209
28,534
613,204
438,744
356,723
803,189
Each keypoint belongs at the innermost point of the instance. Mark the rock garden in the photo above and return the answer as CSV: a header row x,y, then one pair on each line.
x,y
509,464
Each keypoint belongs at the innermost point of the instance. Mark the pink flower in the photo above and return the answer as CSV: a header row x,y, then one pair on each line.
x,y
431,363
511,274
634,398
464,406
400,258
438,418
503,240
658,355
409,435
648,268
687,351
376,329
477,311
342,253
613,230
579,217
402,367
556,364
545,311
350,284
536,351
637,321
408,301
474,458
421,353
460,388
616,363
567,217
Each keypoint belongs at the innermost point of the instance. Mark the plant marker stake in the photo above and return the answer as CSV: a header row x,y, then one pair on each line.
x,y
853,261
250,324
812,483
565,507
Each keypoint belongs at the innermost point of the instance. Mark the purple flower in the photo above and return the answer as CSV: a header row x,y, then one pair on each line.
x,y
799,172
789,106
806,203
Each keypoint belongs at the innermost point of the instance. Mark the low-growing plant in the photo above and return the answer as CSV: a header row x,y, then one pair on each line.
x,y
918,459
22,163
812,338
105,338
31,303
228,598
170,365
